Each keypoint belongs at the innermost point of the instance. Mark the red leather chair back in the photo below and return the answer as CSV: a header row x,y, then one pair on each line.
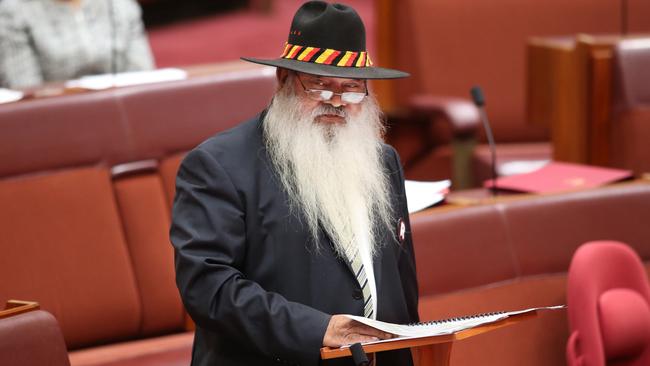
x,y
630,125
609,307
632,77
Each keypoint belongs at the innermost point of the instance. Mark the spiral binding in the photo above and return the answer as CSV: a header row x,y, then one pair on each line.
x,y
457,319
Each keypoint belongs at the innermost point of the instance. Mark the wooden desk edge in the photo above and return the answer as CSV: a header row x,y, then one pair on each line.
x,y
15,307
643,179
329,353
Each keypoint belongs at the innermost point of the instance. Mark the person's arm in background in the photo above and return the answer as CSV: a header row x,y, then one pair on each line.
x,y
137,52
19,66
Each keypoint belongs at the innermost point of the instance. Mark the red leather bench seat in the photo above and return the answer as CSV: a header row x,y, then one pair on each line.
x,y
514,254
86,183
65,247
55,133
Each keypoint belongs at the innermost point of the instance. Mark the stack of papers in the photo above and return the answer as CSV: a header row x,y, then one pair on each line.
x,y
8,95
420,195
442,327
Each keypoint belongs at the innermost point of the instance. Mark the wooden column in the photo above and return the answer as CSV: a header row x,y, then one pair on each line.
x,y
385,23
569,89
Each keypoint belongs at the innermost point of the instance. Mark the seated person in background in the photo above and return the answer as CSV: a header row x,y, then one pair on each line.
x,y
56,40
298,216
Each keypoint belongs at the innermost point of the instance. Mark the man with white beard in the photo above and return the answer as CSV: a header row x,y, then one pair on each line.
x,y
290,220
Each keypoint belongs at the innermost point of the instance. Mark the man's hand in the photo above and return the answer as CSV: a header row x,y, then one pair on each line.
x,y
343,331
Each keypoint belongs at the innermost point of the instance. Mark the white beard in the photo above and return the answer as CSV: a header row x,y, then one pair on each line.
x,y
333,173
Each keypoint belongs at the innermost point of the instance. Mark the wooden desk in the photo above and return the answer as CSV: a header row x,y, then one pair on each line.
x,y
57,89
459,200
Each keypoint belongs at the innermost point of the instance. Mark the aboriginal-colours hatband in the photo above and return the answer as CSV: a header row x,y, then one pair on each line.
x,y
328,40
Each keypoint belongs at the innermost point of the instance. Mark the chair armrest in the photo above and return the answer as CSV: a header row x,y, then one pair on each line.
x,y
462,114
30,337
573,355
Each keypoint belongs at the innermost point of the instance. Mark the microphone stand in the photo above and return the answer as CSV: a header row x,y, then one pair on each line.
x,y
479,101
493,150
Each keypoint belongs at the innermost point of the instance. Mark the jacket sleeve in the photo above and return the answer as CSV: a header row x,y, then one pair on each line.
x,y
209,237
407,269
19,67
137,53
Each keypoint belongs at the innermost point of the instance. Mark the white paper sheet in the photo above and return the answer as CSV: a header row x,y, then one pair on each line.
x,y
8,95
105,81
420,195
446,326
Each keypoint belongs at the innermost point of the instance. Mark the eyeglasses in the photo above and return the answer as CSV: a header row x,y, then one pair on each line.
x,y
323,95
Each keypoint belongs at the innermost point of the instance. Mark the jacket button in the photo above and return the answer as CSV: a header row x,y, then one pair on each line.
x,y
357,294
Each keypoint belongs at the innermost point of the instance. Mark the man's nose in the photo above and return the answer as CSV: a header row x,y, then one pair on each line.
x,y
335,101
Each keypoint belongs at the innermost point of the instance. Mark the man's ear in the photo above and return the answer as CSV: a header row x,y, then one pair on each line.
x,y
282,75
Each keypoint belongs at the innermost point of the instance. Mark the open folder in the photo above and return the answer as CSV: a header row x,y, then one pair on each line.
x,y
556,176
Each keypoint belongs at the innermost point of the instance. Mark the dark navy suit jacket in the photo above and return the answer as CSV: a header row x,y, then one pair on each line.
x,y
248,271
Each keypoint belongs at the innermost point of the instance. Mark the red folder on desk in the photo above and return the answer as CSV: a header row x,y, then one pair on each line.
x,y
556,176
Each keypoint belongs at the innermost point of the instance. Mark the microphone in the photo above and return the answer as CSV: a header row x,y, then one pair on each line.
x,y
359,356
479,101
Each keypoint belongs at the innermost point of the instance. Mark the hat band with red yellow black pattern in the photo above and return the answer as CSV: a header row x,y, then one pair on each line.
x,y
326,56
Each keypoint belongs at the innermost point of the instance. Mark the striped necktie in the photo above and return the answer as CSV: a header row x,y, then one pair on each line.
x,y
360,273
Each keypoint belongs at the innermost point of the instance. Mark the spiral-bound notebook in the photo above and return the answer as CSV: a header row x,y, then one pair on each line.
x,y
445,326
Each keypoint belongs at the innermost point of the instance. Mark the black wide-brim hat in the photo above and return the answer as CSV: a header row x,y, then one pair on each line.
x,y
328,40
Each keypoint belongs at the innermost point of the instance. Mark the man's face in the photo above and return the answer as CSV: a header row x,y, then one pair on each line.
x,y
331,167
307,85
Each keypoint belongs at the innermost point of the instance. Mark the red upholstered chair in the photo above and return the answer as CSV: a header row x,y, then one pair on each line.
x,y
609,312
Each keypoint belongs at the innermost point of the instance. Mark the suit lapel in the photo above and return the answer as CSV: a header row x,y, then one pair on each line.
x,y
387,243
327,240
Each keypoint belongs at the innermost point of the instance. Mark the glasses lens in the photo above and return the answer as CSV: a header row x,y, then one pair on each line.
x,y
352,97
325,94
320,95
